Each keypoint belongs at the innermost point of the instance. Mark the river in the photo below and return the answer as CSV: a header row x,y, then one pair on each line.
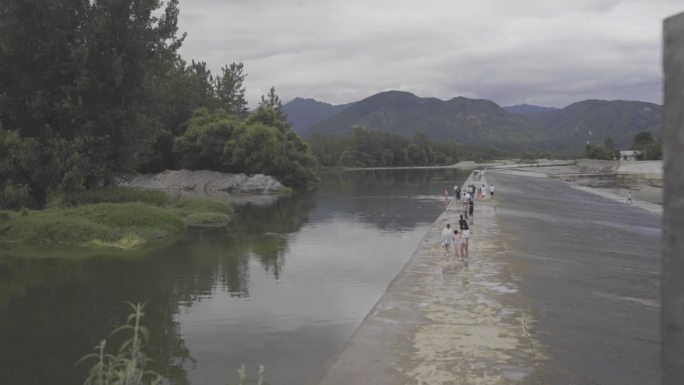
x,y
284,286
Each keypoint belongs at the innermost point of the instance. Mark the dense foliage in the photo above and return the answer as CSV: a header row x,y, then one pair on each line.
x,y
366,148
607,151
93,89
262,143
648,147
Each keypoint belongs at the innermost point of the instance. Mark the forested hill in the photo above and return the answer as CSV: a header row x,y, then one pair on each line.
x,y
304,113
528,109
483,122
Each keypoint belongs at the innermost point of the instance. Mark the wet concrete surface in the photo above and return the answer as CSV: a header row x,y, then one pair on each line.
x,y
445,321
588,268
561,288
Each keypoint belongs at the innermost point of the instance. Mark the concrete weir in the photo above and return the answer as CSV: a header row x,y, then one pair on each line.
x,y
445,321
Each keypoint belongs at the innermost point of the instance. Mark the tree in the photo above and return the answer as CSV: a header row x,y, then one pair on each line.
x,y
649,148
230,89
598,152
82,80
220,141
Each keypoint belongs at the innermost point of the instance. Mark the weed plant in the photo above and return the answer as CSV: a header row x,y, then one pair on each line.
x,y
128,365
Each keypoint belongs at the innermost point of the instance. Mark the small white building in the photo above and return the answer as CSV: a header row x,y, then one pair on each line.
x,y
629,154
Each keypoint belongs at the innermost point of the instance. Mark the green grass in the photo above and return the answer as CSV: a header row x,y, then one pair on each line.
x,y
118,225
112,195
136,218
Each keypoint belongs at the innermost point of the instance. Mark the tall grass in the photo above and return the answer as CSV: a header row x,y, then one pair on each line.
x,y
118,218
127,365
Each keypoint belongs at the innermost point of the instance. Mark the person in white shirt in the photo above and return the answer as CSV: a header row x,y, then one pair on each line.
x,y
491,191
447,238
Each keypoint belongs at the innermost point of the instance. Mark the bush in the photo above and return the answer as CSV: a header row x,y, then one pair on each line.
x,y
124,225
115,195
15,196
262,144
120,225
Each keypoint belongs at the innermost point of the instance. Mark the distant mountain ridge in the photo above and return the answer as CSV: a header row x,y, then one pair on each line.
x,y
304,113
528,109
483,122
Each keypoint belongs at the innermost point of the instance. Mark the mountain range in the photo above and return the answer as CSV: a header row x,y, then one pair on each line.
x,y
527,109
482,122
304,113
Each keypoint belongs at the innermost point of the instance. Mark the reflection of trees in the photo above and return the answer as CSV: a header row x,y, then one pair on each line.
x,y
54,311
55,322
379,197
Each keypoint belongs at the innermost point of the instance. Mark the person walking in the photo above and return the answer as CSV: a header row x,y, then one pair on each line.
x,y
458,244
471,208
465,206
446,198
465,235
491,191
458,192
629,197
447,236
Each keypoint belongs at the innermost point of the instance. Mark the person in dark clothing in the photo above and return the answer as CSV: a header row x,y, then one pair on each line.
x,y
465,234
458,193
471,208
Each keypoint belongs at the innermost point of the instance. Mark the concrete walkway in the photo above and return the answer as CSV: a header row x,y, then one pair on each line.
x,y
443,321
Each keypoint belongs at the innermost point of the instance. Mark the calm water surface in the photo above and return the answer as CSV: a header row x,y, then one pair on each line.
x,y
284,286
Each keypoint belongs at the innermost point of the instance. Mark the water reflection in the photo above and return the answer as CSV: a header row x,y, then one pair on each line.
x,y
283,285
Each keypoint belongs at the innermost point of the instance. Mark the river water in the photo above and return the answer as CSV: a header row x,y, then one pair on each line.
x,y
284,286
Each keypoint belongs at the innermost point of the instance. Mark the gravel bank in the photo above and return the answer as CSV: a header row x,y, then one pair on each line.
x,y
207,181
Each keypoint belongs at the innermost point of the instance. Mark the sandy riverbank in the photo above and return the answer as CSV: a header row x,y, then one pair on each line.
x,y
611,179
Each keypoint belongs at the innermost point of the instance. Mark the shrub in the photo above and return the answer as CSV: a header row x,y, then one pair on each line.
x,y
117,195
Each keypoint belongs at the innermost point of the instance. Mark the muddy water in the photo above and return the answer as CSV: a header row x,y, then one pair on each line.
x,y
284,286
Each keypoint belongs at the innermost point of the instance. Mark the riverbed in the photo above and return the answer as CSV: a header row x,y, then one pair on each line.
x,y
284,286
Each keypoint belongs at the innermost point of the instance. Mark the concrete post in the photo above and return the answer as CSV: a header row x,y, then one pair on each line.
x,y
672,288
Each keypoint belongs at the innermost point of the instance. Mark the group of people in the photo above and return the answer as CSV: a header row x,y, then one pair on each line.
x,y
457,239
474,192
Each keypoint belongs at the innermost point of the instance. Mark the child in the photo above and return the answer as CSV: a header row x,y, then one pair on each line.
x,y
447,238
458,240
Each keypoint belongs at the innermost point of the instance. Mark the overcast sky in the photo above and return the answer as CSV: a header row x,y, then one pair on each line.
x,y
545,52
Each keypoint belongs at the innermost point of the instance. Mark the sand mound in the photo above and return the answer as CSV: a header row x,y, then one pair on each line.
x,y
204,180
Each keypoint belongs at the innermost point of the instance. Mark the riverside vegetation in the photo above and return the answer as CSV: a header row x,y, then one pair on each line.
x,y
95,90
119,218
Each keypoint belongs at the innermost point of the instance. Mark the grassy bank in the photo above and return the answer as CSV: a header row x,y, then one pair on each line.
x,y
119,218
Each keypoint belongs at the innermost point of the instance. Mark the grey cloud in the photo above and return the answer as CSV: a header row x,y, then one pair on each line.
x,y
536,51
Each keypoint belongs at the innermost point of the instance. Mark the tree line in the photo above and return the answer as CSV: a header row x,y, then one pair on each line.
x,y
367,148
648,147
91,90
